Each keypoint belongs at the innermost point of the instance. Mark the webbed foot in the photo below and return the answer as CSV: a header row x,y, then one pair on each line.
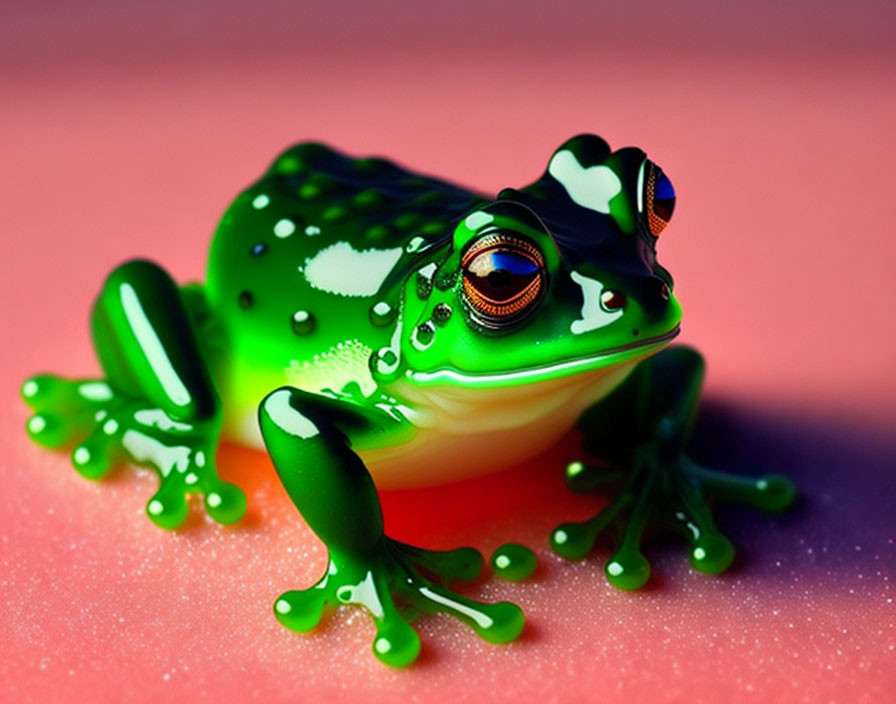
x,y
672,493
387,583
643,429
329,484
106,427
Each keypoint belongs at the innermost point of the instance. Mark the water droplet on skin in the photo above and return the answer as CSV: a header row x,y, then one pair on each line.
x,y
302,322
381,313
441,313
423,335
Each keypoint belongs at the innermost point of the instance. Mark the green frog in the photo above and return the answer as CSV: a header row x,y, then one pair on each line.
x,y
375,328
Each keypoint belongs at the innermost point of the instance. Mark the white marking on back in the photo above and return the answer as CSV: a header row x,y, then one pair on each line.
x,y
346,271
478,219
592,188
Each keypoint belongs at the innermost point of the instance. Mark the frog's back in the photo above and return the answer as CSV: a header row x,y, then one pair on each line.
x,y
302,256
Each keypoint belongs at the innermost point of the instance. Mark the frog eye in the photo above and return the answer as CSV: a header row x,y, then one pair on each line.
x,y
503,280
659,198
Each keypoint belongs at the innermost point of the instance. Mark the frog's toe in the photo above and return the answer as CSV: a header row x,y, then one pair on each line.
x,y
497,623
93,457
48,429
396,643
168,506
771,493
48,391
628,569
225,502
301,610
575,540
711,553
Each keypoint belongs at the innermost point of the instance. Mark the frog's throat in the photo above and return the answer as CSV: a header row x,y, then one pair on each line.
x,y
615,355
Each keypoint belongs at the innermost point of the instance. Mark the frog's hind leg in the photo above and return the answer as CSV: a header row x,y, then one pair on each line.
x,y
650,417
157,405
329,484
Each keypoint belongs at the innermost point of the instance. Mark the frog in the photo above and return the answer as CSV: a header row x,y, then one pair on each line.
x,y
374,328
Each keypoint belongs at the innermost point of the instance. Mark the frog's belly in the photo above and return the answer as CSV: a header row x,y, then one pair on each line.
x,y
462,431
471,431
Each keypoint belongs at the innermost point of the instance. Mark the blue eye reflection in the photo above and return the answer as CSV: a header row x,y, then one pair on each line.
x,y
664,189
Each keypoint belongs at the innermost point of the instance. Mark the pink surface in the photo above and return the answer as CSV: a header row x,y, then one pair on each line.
x,y
125,132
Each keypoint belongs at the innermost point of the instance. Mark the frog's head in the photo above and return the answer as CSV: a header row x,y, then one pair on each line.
x,y
556,278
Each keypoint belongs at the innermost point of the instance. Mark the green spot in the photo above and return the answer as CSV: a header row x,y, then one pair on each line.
x,y
214,500
513,562
155,507
288,165
282,606
368,198
434,228
309,191
429,197
336,212
261,201
378,232
408,221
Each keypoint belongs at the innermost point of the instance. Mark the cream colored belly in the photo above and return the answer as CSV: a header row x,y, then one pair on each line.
x,y
462,431
472,431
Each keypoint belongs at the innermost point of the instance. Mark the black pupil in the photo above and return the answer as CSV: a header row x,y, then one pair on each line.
x,y
500,275
500,278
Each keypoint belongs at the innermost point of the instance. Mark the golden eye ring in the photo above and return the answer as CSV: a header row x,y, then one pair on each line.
x,y
503,280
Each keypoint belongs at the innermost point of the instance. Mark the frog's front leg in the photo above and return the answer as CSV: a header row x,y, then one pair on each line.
x,y
643,429
306,435
157,405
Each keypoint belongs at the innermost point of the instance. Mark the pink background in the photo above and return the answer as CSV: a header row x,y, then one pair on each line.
x,y
125,131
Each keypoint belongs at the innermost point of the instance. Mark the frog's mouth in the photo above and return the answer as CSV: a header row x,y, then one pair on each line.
x,y
607,358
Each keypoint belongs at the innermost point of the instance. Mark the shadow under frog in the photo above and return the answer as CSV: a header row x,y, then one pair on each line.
x,y
365,323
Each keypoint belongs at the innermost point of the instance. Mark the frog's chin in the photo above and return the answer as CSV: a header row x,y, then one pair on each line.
x,y
606,358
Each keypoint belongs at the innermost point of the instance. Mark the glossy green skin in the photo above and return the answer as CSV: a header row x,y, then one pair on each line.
x,y
340,277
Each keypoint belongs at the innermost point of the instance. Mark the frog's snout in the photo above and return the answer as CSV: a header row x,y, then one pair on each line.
x,y
654,296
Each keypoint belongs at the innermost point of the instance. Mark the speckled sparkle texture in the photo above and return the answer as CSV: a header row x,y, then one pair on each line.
x,y
126,130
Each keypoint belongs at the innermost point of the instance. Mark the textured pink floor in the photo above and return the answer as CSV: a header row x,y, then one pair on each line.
x,y
124,132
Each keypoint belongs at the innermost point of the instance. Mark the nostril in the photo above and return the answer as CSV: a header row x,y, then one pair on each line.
x,y
664,292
